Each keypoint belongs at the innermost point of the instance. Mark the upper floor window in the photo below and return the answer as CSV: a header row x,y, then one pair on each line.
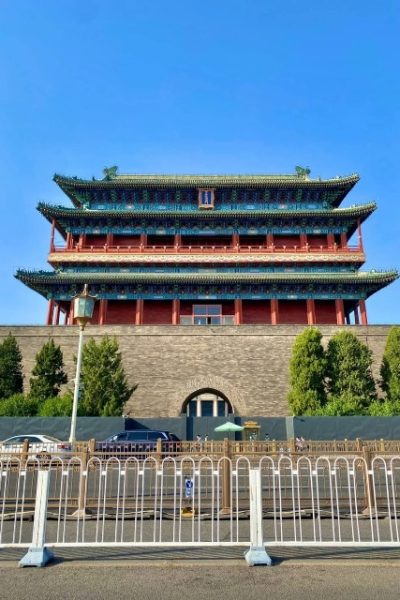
x,y
206,198
207,314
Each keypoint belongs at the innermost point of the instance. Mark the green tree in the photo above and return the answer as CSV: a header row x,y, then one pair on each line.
x,y
11,378
383,408
350,384
60,406
48,372
18,405
390,367
307,373
104,386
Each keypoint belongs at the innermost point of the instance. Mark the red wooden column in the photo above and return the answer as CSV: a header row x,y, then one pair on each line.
x,y
274,311
339,305
176,316
356,315
143,239
109,239
343,240
58,311
52,234
360,240
235,240
50,313
270,240
303,240
238,311
311,319
177,240
331,240
103,312
70,319
363,311
139,312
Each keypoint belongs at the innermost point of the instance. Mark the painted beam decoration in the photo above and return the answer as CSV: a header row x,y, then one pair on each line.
x,y
168,242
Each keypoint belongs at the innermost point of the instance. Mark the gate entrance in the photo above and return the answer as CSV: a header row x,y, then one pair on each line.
x,y
207,403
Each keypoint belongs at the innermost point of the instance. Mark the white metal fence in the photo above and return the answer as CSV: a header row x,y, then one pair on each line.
x,y
199,502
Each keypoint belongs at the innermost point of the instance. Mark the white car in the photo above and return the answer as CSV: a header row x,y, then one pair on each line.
x,y
38,445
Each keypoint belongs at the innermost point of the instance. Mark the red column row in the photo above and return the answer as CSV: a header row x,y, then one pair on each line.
x,y
54,312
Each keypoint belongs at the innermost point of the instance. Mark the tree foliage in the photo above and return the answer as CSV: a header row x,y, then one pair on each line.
x,y
103,381
390,368
350,384
307,373
11,378
48,372
60,406
18,405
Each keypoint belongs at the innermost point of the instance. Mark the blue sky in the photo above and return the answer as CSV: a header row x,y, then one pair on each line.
x,y
222,86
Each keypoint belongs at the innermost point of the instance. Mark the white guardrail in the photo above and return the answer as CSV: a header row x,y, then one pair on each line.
x,y
272,501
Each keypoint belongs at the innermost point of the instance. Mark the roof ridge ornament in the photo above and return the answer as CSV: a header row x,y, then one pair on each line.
x,y
302,172
110,172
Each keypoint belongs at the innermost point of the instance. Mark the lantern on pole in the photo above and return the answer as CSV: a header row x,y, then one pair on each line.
x,y
83,312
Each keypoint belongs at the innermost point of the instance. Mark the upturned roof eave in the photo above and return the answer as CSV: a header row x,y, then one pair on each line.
x,y
361,277
361,211
70,185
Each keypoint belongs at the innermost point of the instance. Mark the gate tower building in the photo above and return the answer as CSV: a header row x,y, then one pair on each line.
x,y
208,250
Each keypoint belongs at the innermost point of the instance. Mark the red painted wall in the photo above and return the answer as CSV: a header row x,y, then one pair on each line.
x,y
121,312
315,241
157,312
253,240
292,312
160,240
256,311
96,313
95,240
290,241
126,240
325,312
206,240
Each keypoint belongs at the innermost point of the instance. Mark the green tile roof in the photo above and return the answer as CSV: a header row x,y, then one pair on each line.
x,y
54,212
72,186
204,180
359,277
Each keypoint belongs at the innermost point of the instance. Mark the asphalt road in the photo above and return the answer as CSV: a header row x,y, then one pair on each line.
x,y
207,580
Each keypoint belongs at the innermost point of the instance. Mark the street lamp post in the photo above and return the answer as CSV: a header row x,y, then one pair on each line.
x,y
83,312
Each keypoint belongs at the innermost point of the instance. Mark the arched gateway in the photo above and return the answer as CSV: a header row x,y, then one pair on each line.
x,y
212,385
207,403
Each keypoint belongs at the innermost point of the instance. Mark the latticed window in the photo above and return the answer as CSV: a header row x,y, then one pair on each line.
x,y
207,314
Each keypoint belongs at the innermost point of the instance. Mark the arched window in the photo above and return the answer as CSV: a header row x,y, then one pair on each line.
x,y
207,403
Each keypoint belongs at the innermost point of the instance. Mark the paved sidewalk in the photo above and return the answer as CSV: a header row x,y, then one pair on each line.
x,y
216,580
281,555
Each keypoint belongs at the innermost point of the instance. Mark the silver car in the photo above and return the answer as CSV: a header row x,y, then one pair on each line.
x,y
38,446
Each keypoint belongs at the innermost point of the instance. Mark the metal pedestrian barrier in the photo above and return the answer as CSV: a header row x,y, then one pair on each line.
x,y
192,502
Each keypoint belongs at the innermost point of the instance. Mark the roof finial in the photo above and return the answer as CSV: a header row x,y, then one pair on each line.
x,y
302,172
110,172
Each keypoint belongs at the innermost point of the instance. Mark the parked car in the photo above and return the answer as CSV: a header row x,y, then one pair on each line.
x,y
38,445
134,441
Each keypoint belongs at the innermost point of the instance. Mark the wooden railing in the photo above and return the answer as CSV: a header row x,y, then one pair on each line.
x,y
217,249
234,448
220,448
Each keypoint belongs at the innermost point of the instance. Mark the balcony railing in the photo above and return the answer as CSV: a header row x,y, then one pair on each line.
x,y
152,249
207,320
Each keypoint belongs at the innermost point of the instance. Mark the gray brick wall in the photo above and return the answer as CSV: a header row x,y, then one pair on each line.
x,y
248,364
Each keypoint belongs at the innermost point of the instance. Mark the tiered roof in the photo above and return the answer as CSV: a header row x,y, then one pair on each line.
x,y
76,189
113,189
